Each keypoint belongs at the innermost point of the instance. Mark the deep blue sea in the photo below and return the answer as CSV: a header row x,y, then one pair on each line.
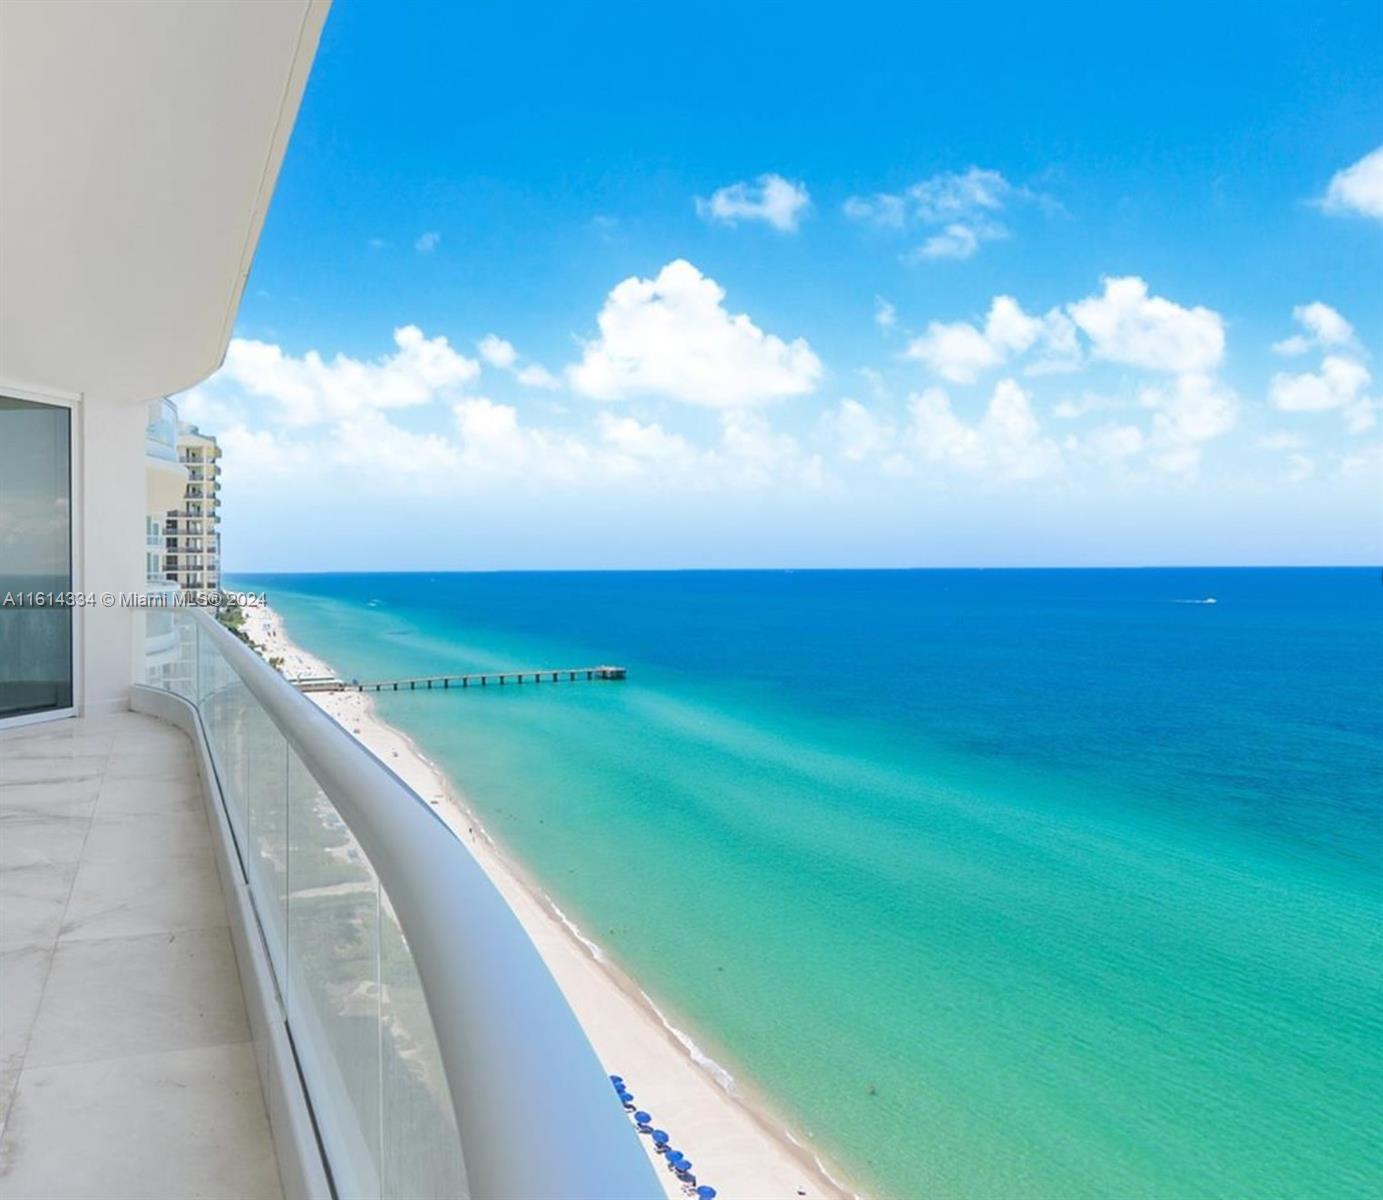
x,y
999,884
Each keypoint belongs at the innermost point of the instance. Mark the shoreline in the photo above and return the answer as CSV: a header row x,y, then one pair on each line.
x,y
739,1145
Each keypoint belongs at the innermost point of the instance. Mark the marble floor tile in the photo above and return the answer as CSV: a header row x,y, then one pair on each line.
x,y
112,997
151,795
51,768
36,841
114,898
61,798
138,837
175,1125
32,901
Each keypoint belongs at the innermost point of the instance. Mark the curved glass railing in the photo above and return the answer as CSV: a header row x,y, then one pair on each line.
x,y
439,1057
161,633
161,433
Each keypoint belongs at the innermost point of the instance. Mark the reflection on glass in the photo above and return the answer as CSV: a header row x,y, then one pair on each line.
x,y
361,1028
35,557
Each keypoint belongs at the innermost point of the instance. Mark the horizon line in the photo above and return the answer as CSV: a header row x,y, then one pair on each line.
x,y
816,570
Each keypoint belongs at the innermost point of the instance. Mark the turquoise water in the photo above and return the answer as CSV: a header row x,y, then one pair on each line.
x,y
999,884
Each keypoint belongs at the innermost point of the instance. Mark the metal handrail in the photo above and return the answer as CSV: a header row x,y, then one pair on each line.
x,y
535,1112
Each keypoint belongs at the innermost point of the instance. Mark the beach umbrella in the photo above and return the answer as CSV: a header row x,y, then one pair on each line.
x,y
706,1193
627,1097
660,1137
684,1166
617,1080
674,1156
643,1118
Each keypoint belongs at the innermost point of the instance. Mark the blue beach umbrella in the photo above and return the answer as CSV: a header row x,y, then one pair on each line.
x,y
617,1080
674,1156
684,1166
706,1193
643,1118
660,1137
627,1097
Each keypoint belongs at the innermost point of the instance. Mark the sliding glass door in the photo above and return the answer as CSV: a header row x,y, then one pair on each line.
x,y
35,558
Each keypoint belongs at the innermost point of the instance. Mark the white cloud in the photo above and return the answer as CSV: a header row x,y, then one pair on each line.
x,y
961,352
955,241
496,351
753,454
1368,462
950,195
501,354
254,454
671,336
1126,325
309,390
1339,382
535,376
884,210
1361,416
956,351
1358,188
1279,440
854,432
1190,410
1325,329
496,443
641,445
1072,408
885,315
962,208
428,242
371,442
1299,468
771,198
1113,444
1005,443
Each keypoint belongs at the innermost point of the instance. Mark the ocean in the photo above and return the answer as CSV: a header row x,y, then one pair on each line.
x,y
998,884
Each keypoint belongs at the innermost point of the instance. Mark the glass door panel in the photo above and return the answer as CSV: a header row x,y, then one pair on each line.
x,y
35,557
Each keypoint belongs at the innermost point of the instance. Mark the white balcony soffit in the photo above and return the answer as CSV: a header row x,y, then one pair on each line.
x,y
139,147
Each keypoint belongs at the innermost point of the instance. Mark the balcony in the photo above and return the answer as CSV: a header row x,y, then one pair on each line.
x,y
165,476
409,1041
127,1064
161,433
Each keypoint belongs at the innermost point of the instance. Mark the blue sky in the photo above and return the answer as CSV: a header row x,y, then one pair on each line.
x,y
783,285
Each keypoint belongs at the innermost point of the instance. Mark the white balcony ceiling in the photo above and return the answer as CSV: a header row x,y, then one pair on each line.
x,y
139,146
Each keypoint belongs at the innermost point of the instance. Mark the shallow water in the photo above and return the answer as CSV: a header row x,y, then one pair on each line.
x,y
999,883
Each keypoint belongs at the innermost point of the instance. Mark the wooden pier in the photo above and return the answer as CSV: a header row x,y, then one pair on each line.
x,y
447,682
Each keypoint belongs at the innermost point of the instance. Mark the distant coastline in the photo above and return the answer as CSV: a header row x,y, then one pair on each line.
x,y
737,1143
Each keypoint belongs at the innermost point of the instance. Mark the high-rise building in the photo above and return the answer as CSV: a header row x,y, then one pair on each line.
x,y
192,538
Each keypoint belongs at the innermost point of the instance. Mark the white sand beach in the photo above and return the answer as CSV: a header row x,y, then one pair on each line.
x,y
737,1145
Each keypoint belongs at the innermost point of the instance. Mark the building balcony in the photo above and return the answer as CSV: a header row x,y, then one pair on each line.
x,y
161,433
129,1058
242,960
165,476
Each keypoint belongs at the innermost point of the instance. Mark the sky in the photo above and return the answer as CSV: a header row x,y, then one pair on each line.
x,y
794,286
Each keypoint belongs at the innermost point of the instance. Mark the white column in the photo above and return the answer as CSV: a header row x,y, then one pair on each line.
x,y
110,470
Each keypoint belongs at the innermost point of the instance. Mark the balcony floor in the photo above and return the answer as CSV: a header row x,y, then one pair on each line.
x,y
126,1066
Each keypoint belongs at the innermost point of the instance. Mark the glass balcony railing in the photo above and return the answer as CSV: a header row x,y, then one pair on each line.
x,y
160,630
161,434
438,1056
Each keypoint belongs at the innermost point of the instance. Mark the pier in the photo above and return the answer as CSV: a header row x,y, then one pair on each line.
x,y
472,679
